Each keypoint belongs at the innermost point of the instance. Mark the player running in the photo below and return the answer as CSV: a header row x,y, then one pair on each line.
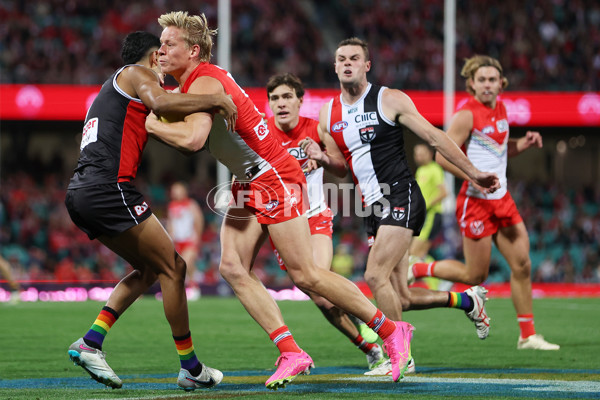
x,y
366,123
286,93
103,202
268,198
480,127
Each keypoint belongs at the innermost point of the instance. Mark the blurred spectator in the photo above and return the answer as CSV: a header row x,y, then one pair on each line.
x,y
41,243
543,45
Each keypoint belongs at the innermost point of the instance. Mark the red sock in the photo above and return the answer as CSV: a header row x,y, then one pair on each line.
x,y
526,325
284,340
362,344
423,269
381,325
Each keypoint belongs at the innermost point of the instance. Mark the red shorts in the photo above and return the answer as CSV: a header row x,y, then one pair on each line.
x,y
276,196
180,247
320,224
479,218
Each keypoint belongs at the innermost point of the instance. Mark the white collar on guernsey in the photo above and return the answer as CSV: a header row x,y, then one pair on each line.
x,y
362,97
118,89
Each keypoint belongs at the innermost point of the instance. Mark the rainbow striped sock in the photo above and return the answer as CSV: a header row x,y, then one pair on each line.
x,y
187,356
460,300
105,320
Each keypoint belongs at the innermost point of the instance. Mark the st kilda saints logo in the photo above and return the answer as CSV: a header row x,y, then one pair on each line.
x,y
398,213
367,134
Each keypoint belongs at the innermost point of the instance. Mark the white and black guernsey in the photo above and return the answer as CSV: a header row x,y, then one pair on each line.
x,y
372,144
113,139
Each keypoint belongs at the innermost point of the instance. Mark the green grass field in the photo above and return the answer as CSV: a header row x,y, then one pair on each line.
x,y
34,338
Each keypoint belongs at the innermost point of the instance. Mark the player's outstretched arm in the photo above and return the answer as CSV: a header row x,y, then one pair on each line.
x,y
517,146
332,159
147,86
398,107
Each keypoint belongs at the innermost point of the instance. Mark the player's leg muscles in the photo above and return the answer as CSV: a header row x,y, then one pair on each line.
x,y
335,288
241,238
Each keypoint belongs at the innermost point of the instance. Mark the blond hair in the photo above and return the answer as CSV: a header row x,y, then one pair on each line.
x,y
195,30
474,63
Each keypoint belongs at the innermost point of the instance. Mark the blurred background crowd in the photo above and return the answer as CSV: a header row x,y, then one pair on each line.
x,y
543,45
40,241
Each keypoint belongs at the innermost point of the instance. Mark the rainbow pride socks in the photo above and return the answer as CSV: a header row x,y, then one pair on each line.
x,y
187,356
105,320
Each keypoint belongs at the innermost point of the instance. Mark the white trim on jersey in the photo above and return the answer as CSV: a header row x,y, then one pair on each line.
x,y
126,206
118,89
330,109
365,93
380,108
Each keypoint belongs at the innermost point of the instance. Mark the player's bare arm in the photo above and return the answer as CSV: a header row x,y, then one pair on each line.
x,y
398,107
332,159
459,131
517,146
190,134
144,83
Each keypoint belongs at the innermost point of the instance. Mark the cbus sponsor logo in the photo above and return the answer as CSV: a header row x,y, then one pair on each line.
x,y
370,117
339,126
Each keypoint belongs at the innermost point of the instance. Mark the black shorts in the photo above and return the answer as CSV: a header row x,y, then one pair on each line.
x,y
106,209
404,207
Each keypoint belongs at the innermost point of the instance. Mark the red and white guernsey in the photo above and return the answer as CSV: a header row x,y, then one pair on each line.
x,y
289,140
181,217
248,150
487,144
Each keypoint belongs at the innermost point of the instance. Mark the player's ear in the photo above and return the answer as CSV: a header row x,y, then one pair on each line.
x,y
195,51
470,85
154,59
368,65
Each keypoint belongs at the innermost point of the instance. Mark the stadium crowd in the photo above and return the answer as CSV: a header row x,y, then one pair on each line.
x,y
41,243
542,45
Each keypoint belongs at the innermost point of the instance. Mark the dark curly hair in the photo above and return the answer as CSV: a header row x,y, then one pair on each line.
x,y
136,45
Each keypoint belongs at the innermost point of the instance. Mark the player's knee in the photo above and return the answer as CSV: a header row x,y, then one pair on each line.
x,y
303,279
373,280
178,268
522,269
476,278
175,268
231,271
322,303
406,304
